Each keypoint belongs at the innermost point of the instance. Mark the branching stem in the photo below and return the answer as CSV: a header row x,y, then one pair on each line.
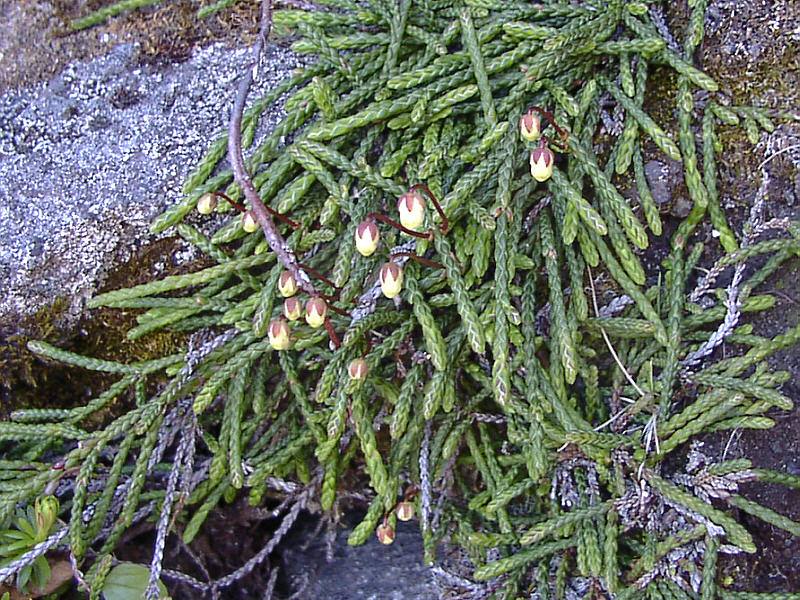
x,y
242,178
240,175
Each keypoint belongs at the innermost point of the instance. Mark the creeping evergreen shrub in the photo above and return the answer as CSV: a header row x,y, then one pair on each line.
x,y
454,181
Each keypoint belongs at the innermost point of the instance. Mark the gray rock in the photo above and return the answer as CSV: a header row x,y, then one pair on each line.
x,y
369,572
656,173
90,157
664,179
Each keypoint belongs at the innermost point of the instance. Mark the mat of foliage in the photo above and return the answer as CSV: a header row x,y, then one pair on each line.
x,y
498,404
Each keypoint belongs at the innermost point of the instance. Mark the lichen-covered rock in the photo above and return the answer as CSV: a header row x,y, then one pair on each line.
x,y
90,157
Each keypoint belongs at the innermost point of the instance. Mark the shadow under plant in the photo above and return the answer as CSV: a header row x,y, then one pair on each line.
x,y
539,396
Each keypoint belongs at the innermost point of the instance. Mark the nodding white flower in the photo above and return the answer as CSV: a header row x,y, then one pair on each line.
x,y
358,369
316,310
391,277
367,237
292,308
405,510
385,533
206,204
287,285
411,207
278,333
249,223
542,159
530,126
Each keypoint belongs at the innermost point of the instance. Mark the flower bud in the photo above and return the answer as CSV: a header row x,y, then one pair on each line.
x,y
292,308
367,237
287,285
358,369
530,126
46,511
411,207
316,309
278,333
391,277
542,159
405,510
385,533
249,223
206,204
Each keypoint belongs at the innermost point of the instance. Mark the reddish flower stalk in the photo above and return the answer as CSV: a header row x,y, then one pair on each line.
x,y
423,261
314,273
243,209
552,120
445,226
392,223
329,300
236,205
284,218
411,492
332,332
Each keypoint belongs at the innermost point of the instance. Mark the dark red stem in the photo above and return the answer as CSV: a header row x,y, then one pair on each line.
x,y
237,205
552,120
284,218
445,226
545,142
332,333
392,223
423,261
336,309
410,493
243,209
313,272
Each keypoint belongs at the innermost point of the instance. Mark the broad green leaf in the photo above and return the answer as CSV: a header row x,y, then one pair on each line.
x,y
128,581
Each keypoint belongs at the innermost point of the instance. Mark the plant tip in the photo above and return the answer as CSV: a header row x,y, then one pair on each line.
x,y
542,159
405,510
357,370
292,308
249,223
385,533
530,126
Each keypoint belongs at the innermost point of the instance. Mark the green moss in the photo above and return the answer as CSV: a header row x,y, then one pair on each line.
x,y
16,363
27,381
660,97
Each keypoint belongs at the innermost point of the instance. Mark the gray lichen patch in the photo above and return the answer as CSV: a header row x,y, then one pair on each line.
x,y
90,157
753,49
